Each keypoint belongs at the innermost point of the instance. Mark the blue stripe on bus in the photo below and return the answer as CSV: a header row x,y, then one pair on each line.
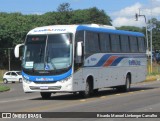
x,y
117,61
102,60
94,29
47,78
105,58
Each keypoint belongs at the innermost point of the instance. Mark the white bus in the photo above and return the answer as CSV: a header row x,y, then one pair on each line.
x,y
81,58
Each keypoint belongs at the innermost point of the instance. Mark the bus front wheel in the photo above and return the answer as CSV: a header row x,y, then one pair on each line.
x,y
88,89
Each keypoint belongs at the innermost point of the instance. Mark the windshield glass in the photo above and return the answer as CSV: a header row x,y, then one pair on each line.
x,y
47,52
19,73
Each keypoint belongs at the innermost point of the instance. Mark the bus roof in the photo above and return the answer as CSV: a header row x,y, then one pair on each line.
x,y
113,31
53,29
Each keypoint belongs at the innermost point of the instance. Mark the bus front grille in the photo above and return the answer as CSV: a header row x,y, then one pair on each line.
x,y
44,82
48,88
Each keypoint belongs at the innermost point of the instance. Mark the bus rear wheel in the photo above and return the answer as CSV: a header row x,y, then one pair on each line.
x,y
127,86
45,95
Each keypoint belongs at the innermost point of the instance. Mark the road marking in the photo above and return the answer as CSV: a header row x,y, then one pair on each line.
x,y
48,107
83,100
142,90
130,92
6,101
117,94
103,97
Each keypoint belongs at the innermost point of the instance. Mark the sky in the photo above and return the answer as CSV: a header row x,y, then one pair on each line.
x,y
122,12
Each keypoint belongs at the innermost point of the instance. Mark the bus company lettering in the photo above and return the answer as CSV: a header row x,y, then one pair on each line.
x,y
25,76
134,62
44,79
44,30
93,59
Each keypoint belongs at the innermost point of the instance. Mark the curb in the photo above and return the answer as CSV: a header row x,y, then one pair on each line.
x,y
152,78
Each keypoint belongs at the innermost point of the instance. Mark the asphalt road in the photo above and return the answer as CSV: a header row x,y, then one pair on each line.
x,y
143,97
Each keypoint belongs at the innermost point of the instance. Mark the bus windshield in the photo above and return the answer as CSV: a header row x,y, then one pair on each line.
x,y
47,52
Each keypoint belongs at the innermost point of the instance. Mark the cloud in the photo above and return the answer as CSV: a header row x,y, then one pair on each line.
x,y
128,11
123,21
126,16
156,11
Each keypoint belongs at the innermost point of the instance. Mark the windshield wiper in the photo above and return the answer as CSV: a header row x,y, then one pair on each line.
x,y
40,53
47,61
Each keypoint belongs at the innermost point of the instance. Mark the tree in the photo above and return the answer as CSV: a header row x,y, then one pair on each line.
x,y
89,16
64,7
15,26
98,16
64,14
155,33
130,28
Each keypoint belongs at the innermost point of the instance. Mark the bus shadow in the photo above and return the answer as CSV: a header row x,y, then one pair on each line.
x,y
104,92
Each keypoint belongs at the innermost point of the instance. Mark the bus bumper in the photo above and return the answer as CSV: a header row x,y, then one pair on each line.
x,y
59,86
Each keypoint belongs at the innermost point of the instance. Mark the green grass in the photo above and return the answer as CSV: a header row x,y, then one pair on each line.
x,y
4,88
1,79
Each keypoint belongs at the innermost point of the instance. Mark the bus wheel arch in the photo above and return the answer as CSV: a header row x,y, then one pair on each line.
x,y
88,87
127,85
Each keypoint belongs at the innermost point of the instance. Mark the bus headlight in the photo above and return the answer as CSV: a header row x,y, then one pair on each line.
x,y
26,81
66,79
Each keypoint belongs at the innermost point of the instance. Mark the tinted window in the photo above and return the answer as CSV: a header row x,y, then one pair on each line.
x,y
92,43
124,43
115,43
79,36
14,74
141,44
105,42
133,44
19,73
8,73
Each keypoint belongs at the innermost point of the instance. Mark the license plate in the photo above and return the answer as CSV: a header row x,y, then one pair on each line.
x,y
44,88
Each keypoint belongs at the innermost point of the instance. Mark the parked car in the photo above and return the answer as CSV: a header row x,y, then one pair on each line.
x,y
157,56
12,76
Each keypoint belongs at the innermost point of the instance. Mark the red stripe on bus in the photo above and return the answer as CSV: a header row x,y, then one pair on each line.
x,y
110,61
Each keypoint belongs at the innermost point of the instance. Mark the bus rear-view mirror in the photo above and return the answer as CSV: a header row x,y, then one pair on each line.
x,y
16,50
79,52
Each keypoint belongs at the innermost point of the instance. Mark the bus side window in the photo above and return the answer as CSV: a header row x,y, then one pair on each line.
x,y
115,43
133,44
124,43
141,44
92,42
105,43
79,36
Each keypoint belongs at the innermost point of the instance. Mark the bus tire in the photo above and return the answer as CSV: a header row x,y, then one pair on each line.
x,y
95,91
127,86
45,95
87,92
